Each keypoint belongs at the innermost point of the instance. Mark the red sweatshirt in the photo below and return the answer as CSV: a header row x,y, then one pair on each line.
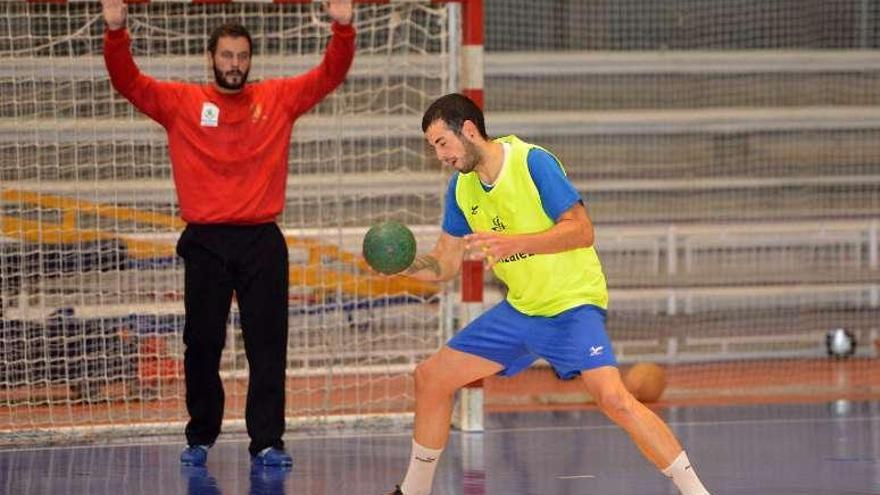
x,y
228,151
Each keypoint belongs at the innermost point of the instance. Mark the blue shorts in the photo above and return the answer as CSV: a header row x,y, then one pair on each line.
x,y
572,341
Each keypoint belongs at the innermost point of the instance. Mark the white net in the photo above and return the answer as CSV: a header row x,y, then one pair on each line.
x,y
91,293
728,154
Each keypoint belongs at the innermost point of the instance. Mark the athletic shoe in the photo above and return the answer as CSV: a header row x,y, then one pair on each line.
x,y
194,455
270,456
396,491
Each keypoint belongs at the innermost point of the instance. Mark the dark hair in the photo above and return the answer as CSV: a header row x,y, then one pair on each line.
x,y
454,109
231,30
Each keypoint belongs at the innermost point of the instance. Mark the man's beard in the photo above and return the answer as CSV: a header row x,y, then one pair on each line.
x,y
220,78
471,157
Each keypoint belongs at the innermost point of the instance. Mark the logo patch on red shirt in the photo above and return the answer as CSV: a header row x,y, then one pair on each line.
x,y
210,115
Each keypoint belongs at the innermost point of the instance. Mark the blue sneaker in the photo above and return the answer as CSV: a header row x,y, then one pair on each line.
x,y
194,455
271,456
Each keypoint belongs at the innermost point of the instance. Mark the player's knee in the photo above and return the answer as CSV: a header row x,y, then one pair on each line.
x,y
422,377
427,381
615,403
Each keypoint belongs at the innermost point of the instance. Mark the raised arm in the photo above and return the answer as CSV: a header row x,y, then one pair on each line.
x,y
307,90
442,263
154,98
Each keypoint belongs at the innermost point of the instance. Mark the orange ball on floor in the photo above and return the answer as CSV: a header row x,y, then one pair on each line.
x,y
646,381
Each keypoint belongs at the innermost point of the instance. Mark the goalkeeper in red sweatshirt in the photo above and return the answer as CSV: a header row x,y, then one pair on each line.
x,y
228,142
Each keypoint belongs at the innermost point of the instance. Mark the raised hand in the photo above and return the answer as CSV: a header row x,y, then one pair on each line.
x,y
339,10
114,13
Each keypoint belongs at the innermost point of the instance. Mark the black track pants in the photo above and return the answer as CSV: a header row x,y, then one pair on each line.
x,y
250,261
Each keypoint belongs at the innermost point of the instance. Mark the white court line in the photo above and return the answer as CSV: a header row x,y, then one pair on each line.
x,y
576,477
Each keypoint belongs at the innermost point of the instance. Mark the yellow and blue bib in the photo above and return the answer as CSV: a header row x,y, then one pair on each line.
x,y
538,284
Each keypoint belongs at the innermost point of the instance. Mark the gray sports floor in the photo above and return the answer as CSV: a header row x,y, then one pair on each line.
x,y
817,449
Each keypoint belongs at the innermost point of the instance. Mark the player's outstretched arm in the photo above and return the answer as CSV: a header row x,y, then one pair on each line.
x,y
306,90
156,99
114,13
442,263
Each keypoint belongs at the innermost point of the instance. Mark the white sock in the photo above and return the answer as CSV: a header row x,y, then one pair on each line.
x,y
420,474
685,476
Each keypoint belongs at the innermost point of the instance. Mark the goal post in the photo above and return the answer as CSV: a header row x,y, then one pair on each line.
x,y
469,413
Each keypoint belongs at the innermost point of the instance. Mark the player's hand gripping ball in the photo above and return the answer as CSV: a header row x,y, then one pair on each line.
x,y
389,247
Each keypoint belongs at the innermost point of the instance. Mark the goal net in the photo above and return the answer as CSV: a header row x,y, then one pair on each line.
x,y
91,291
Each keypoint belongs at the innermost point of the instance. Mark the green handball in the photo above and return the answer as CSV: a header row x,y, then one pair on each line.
x,y
389,247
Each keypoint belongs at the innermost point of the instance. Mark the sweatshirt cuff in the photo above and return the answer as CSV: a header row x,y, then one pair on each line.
x,y
115,34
